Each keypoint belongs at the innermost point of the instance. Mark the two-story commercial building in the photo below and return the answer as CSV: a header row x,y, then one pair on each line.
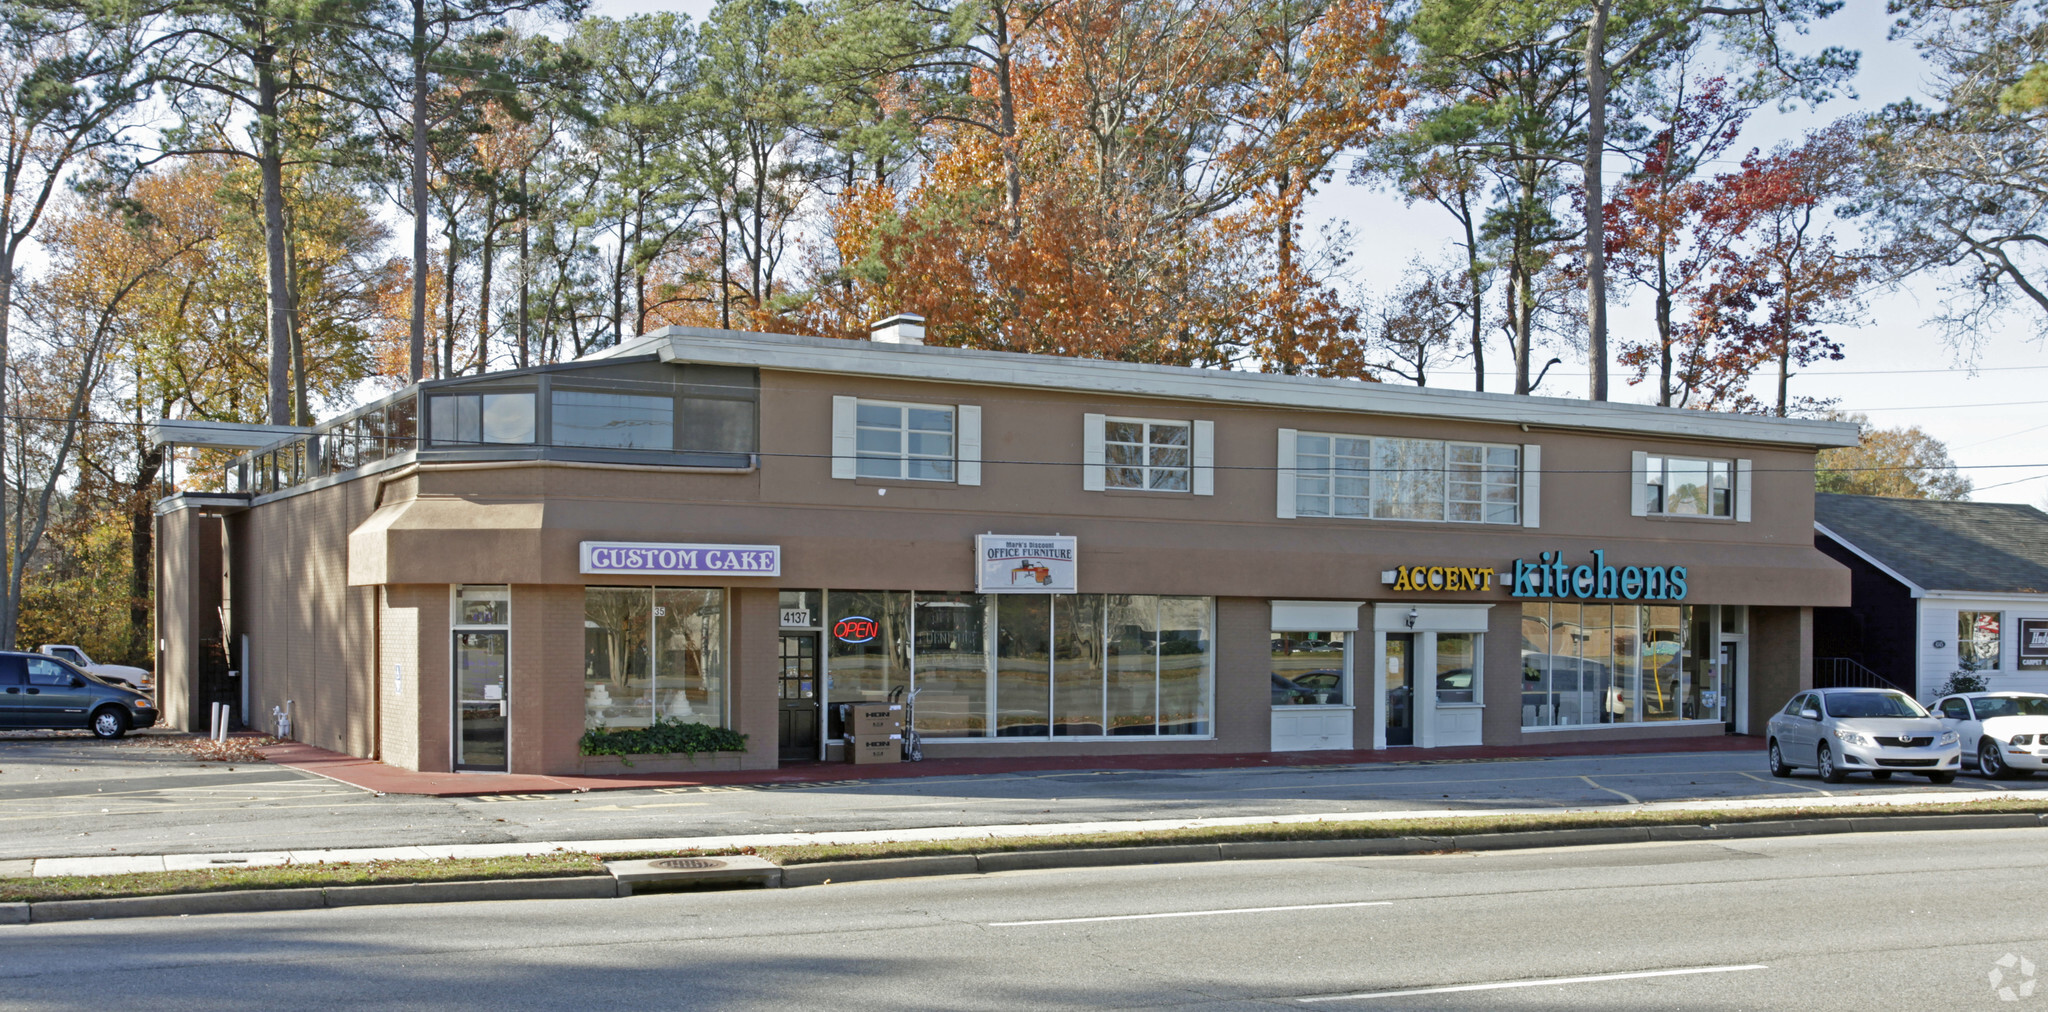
x,y
1060,556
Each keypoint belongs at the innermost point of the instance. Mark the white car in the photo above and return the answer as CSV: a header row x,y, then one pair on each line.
x,y
2004,733
120,674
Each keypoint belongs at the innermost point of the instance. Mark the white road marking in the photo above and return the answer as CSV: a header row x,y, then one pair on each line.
x,y
1552,981
1630,798
1787,783
1189,913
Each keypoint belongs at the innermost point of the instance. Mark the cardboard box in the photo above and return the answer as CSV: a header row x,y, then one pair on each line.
x,y
866,751
873,720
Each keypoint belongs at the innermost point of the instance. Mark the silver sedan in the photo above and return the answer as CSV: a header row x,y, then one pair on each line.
x,y
1877,731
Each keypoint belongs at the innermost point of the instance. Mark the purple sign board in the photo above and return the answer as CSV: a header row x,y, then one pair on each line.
x,y
640,558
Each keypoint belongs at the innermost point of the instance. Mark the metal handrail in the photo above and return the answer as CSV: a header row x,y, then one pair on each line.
x,y
1846,673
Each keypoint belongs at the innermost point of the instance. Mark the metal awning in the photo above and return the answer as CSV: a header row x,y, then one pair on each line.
x,y
220,435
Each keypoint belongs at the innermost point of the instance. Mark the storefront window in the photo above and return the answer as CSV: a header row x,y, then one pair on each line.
x,y
867,637
952,666
1977,640
653,653
1614,664
1132,629
1023,665
1184,637
1308,669
1077,674
1457,667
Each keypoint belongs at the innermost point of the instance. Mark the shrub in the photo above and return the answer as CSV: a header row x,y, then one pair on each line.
x,y
661,737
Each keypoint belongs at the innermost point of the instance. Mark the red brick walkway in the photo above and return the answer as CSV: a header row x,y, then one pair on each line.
x,y
376,776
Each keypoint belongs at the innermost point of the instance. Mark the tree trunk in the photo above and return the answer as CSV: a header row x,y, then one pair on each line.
x,y
525,268
448,306
9,604
1596,216
1663,328
270,162
1476,307
302,408
418,344
483,293
1006,104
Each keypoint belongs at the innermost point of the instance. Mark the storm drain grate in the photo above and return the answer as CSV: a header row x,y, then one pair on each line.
x,y
685,863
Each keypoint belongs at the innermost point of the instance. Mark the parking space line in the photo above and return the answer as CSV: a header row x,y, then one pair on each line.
x,y
1788,783
1546,982
1630,798
1189,913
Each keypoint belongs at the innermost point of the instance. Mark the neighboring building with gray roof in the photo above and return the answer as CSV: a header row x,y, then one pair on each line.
x,y
1937,587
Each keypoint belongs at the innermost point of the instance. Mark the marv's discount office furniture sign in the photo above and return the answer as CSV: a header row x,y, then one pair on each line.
x,y
638,558
1024,565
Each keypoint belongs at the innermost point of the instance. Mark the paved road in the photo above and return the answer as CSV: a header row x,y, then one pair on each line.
x,y
1881,921
66,796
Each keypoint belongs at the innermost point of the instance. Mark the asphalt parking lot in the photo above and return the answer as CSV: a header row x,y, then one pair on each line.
x,y
66,794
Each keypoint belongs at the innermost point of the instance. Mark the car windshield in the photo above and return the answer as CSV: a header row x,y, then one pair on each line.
x,y
1873,704
2011,706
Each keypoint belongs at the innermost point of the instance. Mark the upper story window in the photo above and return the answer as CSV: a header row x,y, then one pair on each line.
x,y
910,441
897,440
1681,486
622,421
1147,454
1388,478
457,419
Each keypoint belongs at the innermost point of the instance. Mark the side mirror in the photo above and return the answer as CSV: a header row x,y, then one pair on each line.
x,y
1810,713
77,682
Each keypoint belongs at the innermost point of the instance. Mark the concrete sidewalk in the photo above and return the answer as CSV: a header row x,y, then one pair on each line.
x,y
129,864
371,775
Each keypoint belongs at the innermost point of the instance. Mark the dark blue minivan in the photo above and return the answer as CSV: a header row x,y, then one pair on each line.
x,y
39,692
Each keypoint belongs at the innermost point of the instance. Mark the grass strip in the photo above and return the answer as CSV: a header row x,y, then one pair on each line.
x,y
567,863
297,876
1363,829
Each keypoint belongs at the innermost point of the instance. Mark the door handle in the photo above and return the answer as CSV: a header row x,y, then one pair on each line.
x,y
11,690
35,692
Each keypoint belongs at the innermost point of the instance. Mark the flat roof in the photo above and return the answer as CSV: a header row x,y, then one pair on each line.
x,y
220,435
795,353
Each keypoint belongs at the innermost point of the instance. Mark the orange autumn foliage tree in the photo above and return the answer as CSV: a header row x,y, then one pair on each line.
x,y
1161,167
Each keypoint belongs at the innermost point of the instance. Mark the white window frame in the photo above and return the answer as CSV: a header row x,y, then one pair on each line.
x,y
965,457
1293,472
1147,470
1643,476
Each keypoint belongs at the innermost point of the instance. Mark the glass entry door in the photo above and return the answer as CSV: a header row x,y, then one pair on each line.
x,y
480,703
1400,664
798,726
1720,697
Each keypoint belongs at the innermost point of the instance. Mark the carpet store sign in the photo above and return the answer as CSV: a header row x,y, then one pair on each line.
x,y
639,558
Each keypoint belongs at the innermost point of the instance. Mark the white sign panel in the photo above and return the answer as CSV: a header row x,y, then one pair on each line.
x,y
796,618
1029,564
639,558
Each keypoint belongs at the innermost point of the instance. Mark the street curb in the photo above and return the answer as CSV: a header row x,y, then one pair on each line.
x,y
880,869
255,900
835,872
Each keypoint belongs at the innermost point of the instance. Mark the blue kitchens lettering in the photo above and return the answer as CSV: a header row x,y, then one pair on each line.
x,y
1553,578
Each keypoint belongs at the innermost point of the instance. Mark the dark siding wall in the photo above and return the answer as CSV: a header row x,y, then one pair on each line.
x,y
1876,630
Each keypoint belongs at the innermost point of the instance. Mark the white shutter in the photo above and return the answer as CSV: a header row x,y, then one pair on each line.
x,y
1639,484
1094,476
1283,495
1532,485
969,446
1205,458
844,438
1742,473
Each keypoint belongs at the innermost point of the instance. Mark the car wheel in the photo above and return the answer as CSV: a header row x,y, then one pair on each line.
x,y
1829,772
109,722
1778,765
1880,774
1990,761
1941,778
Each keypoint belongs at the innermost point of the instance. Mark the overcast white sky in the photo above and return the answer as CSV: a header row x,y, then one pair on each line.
x,y
1898,368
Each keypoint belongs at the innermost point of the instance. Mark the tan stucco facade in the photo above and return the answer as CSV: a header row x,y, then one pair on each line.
x,y
344,588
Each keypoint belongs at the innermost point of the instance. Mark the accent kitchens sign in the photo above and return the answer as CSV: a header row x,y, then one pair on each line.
x,y
639,558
